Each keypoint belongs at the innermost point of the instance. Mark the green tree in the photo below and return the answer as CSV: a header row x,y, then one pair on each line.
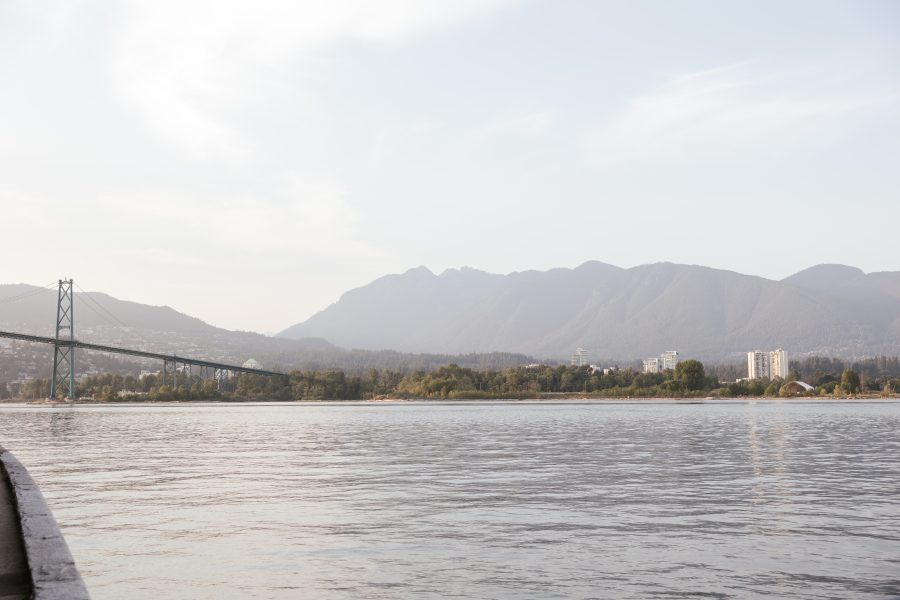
x,y
850,381
756,387
690,374
36,388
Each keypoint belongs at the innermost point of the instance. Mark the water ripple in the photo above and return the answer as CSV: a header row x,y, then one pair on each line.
x,y
486,500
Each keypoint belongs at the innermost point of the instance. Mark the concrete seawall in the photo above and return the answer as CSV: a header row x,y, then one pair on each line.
x,y
35,562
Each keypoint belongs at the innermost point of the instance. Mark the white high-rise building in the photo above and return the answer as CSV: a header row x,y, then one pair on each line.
x,y
668,359
778,364
651,365
579,359
758,365
767,365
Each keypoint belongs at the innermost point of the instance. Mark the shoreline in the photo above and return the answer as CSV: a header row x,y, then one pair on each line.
x,y
464,401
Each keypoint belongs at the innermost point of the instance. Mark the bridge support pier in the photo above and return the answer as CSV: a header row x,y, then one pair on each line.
x,y
222,376
165,373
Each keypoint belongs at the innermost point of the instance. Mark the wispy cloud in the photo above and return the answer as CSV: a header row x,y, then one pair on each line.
x,y
183,64
305,215
729,109
524,123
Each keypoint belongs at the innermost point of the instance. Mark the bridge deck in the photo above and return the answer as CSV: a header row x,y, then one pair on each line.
x,y
15,582
140,353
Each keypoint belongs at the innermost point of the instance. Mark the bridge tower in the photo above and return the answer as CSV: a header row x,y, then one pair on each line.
x,y
63,380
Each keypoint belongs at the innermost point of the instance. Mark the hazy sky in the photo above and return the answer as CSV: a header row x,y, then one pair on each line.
x,y
247,162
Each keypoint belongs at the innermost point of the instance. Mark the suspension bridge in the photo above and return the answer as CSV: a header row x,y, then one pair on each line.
x,y
62,381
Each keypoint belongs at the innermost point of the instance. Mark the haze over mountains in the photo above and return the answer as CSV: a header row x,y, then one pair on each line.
x,y
617,313
420,320
103,319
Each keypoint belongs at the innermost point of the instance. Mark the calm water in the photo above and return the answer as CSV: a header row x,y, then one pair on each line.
x,y
487,500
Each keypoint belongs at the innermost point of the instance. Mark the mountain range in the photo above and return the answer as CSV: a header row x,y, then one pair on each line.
x,y
617,313
418,319
103,319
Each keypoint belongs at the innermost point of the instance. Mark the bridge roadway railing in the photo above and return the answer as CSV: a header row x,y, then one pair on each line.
x,y
131,352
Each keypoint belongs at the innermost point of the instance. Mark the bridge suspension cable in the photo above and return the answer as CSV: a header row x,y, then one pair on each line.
x,y
112,319
90,298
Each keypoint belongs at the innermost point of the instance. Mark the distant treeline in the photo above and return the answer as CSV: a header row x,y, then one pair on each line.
x,y
32,360
821,370
359,362
689,379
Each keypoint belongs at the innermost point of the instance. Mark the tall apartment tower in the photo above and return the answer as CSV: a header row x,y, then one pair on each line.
x,y
758,365
579,359
778,364
668,359
767,365
651,365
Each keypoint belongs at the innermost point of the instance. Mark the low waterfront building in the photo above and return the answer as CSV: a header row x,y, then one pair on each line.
x,y
796,388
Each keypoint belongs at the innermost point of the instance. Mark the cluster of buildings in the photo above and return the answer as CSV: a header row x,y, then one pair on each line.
x,y
580,359
760,364
767,365
658,364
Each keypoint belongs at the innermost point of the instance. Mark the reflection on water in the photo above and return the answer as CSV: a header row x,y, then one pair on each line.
x,y
473,500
